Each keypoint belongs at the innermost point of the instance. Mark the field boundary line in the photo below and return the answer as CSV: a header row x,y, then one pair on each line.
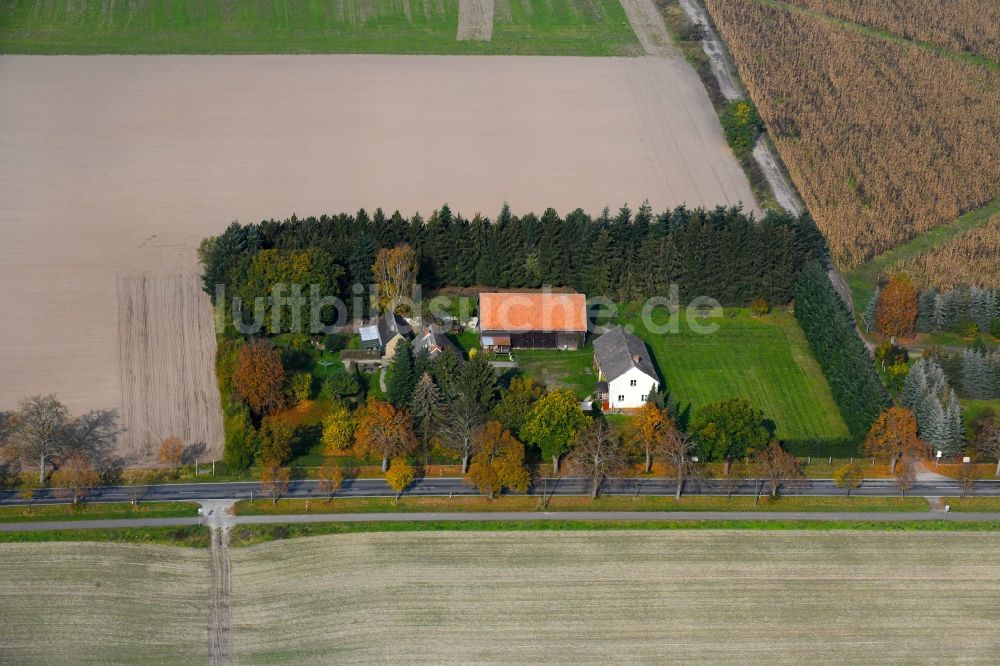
x,y
888,35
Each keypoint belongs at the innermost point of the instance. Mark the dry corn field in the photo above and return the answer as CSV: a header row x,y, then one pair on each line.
x,y
614,597
102,603
884,139
972,26
971,258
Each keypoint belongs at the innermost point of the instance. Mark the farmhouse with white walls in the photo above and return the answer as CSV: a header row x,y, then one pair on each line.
x,y
626,375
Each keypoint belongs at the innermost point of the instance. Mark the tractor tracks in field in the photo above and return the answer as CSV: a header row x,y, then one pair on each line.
x,y
218,516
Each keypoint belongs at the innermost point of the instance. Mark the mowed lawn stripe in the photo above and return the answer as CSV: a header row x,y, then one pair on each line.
x,y
526,27
763,359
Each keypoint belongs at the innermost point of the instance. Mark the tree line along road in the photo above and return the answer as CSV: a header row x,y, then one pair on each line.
x,y
448,486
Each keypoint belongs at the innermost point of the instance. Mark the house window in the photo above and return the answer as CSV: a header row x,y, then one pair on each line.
x,y
645,397
632,382
621,398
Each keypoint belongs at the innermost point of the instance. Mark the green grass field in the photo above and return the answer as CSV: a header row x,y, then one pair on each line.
x,y
543,27
560,369
763,359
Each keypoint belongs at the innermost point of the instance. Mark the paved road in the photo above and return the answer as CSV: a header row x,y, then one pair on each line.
x,y
506,516
444,486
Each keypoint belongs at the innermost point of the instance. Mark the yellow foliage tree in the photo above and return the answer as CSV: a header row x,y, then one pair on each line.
x,y
74,478
338,430
399,475
395,272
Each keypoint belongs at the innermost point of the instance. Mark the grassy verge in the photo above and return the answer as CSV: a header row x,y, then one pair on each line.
x,y
571,504
863,279
248,535
191,536
985,504
109,511
763,359
687,39
544,27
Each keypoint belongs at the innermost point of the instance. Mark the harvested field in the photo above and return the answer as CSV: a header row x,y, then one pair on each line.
x,y
681,596
884,139
970,26
475,20
119,166
103,603
166,347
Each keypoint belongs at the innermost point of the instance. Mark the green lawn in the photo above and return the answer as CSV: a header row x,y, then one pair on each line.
x,y
545,27
560,369
763,359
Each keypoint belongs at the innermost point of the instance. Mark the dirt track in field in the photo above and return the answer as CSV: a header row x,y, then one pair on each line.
x,y
114,166
475,20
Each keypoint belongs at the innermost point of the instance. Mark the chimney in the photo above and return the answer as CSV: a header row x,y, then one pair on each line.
x,y
636,359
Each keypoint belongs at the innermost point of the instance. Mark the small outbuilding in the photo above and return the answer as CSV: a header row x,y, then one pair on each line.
x,y
384,333
626,374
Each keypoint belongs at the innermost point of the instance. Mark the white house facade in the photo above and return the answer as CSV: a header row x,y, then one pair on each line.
x,y
626,374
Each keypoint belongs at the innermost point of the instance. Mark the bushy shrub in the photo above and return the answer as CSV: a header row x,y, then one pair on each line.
x,y
742,125
299,387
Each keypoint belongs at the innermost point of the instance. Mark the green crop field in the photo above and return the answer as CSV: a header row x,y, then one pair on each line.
x,y
544,27
763,359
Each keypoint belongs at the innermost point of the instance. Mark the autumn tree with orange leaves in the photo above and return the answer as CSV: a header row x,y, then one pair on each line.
x,y
395,272
896,309
259,377
648,431
893,436
384,431
498,461
172,454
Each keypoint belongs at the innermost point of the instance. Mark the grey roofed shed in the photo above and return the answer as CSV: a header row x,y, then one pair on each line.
x,y
617,352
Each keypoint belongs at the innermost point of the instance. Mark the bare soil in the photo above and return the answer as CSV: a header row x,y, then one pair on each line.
x,y
475,20
116,166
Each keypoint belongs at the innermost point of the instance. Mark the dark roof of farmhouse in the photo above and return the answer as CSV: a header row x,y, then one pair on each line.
x,y
385,328
618,352
434,341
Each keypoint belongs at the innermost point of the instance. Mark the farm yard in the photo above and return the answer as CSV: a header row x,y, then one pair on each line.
x,y
469,597
885,138
764,359
118,166
513,27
